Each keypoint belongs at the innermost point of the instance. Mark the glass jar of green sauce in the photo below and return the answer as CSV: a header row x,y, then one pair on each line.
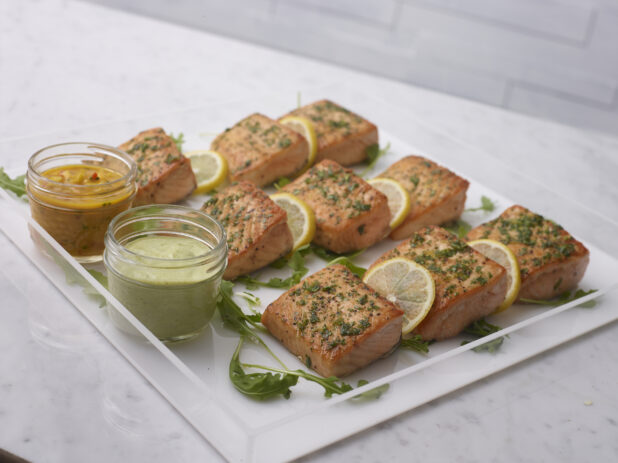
x,y
165,264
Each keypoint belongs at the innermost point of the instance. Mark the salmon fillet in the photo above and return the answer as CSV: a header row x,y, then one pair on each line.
x,y
257,228
164,175
350,214
342,135
260,150
550,260
469,286
334,323
437,195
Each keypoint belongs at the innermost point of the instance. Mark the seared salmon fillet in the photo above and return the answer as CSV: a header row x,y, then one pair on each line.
x,y
350,214
257,228
437,195
469,286
550,260
164,175
342,135
260,150
333,322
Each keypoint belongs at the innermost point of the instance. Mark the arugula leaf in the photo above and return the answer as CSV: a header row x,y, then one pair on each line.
x,y
487,205
458,227
179,140
17,185
355,269
371,394
283,181
482,328
373,154
233,316
329,256
332,384
259,386
296,262
415,343
565,297
252,299
263,385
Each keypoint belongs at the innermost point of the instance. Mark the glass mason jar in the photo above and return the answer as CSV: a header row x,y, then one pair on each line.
x,y
165,264
76,189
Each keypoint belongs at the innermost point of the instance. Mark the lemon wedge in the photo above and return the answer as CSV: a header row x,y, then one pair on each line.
x,y
398,199
209,167
501,254
303,126
300,218
407,285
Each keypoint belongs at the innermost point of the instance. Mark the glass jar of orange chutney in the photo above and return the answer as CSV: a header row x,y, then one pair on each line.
x,y
76,189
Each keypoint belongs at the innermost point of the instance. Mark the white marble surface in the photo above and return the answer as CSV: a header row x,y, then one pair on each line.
x,y
65,64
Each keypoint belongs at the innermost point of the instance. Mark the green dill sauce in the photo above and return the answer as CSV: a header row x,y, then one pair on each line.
x,y
168,281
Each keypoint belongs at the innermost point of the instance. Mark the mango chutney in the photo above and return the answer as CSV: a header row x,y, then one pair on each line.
x,y
76,189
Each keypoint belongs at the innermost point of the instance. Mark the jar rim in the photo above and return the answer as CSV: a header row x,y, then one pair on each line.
x,y
122,155
217,250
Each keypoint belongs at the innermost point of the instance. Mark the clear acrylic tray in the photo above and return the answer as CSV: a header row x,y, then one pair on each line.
x,y
193,376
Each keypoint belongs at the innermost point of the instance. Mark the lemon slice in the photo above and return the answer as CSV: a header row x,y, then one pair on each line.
x,y
407,285
209,167
303,126
501,254
398,199
300,218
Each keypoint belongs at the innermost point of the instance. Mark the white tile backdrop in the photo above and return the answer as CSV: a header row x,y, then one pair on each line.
x,y
556,59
